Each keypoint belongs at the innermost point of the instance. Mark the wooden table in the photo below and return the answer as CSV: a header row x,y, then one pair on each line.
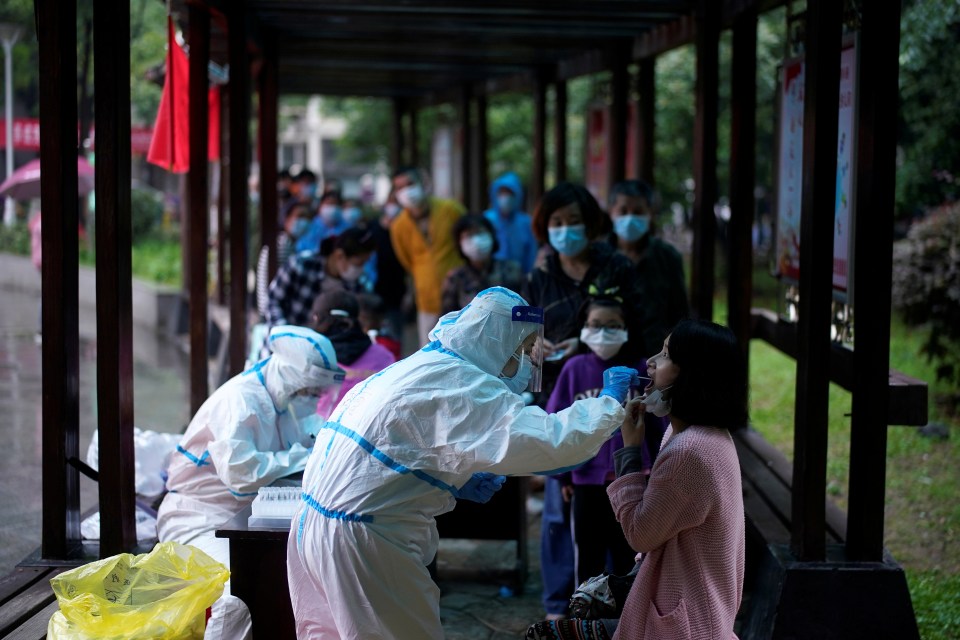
x,y
258,576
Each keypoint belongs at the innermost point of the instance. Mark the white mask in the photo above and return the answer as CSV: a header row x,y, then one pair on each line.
x,y
352,273
411,197
656,403
477,247
391,209
521,378
606,343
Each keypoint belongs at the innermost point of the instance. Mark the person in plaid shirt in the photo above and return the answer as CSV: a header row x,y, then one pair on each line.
x,y
337,265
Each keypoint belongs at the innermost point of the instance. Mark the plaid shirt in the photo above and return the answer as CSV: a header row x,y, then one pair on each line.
x,y
295,287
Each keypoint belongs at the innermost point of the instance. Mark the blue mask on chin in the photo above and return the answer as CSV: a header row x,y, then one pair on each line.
x,y
631,227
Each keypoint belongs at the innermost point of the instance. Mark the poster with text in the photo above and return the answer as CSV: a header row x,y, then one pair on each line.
x,y
790,171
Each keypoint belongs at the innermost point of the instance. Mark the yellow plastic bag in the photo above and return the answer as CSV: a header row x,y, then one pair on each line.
x,y
161,594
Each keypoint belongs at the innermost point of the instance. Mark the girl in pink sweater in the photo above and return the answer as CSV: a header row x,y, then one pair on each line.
x,y
686,517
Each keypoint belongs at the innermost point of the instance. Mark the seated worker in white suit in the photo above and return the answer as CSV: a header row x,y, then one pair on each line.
x,y
258,427
402,446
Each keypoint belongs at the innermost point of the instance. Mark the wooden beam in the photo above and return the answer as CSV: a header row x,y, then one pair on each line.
x,y
268,97
223,197
111,57
743,138
821,90
646,116
199,205
705,159
239,91
908,397
57,36
873,239
560,131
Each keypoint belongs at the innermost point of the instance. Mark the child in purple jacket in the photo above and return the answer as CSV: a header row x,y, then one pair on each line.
x,y
596,532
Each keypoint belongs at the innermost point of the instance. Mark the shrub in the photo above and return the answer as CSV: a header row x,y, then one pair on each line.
x,y
146,210
15,239
926,286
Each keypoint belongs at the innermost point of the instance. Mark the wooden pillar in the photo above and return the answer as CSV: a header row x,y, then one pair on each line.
x,y
396,139
646,117
466,149
111,47
743,137
539,140
873,238
239,90
617,131
481,173
268,96
413,141
705,159
199,206
560,130
57,35
821,90
223,197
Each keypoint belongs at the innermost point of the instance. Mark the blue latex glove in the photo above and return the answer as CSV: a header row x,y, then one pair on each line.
x,y
481,487
617,381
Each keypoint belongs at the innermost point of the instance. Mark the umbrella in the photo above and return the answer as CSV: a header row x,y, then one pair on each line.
x,y
24,183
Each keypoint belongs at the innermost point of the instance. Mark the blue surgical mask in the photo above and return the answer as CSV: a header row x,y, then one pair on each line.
x,y
505,203
330,214
300,227
631,227
521,379
309,191
352,215
570,241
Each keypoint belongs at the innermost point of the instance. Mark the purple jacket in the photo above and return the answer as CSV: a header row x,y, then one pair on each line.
x,y
582,377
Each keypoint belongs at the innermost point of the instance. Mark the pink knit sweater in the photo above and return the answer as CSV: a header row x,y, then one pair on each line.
x,y
688,521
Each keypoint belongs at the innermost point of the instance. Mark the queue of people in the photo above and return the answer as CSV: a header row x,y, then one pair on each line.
x,y
536,336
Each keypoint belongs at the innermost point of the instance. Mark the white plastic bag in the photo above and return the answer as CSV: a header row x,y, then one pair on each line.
x,y
152,451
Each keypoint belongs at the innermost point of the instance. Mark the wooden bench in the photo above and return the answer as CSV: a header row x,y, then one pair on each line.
x,y
27,602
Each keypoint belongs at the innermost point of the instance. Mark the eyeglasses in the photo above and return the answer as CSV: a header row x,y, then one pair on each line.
x,y
597,325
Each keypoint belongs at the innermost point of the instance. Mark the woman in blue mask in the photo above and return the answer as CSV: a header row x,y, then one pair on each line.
x,y
576,267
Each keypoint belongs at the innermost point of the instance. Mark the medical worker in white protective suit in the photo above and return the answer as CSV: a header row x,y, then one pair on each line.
x,y
404,445
258,427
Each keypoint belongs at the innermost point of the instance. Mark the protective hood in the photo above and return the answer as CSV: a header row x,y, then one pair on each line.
x,y
483,332
511,181
300,359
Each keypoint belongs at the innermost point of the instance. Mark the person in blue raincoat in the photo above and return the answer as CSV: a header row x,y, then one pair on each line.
x,y
514,232
402,447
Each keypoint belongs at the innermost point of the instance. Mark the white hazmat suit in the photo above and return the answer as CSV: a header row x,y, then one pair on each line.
x,y
392,457
245,436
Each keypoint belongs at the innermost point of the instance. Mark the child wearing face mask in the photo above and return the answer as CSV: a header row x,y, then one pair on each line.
x,y
604,322
477,243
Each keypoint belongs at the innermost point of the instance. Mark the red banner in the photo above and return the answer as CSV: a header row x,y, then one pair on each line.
x,y
26,136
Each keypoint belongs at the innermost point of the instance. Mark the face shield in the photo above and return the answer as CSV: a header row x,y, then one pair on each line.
x,y
321,398
531,349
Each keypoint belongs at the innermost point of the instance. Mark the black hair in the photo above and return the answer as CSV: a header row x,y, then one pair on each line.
x,y
372,303
354,241
332,193
711,386
607,302
284,174
404,170
632,189
567,193
306,176
473,221
339,299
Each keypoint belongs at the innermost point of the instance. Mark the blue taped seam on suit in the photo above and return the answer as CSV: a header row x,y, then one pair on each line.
x,y
243,495
436,346
367,446
333,514
200,462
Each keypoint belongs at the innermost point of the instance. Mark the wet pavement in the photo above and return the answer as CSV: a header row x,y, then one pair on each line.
x,y
473,603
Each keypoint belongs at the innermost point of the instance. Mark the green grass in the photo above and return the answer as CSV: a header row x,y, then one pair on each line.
x,y
158,260
922,515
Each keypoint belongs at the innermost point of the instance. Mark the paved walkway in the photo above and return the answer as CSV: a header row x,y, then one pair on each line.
x,y
472,605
